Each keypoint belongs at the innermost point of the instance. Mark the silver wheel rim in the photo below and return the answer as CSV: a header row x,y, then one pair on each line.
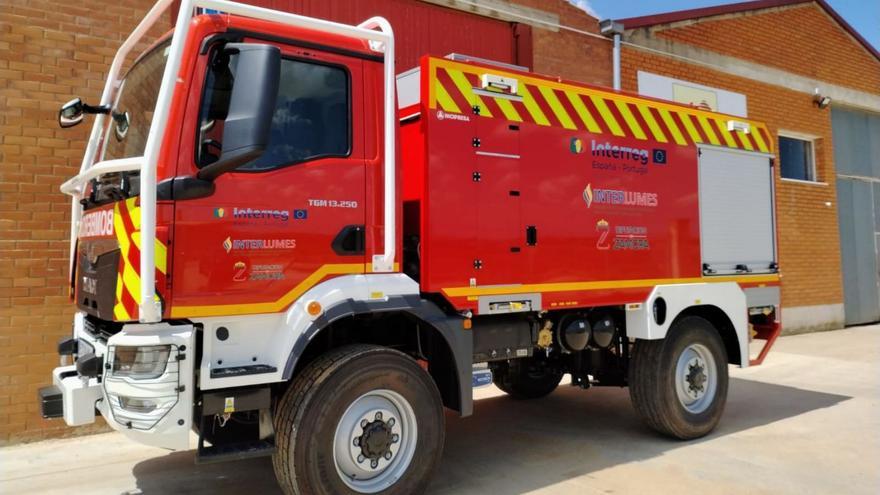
x,y
375,441
695,378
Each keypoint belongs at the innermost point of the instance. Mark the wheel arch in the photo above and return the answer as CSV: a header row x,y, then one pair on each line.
x,y
411,324
722,324
721,303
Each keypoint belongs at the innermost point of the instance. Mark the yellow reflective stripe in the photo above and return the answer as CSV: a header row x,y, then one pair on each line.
x,y
606,115
446,102
586,92
119,313
160,251
630,119
725,134
760,140
689,127
582,112
652,124
468,91
281,303
707,129
672,126
747,143
601,285
270,307
507,109
532,106
558,110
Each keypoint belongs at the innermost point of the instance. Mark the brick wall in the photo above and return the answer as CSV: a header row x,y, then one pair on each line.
x,y
569,54
809,249
801,39
815,46
50,51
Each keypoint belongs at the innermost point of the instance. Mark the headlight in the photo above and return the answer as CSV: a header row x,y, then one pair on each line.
x,y
143,406
141,362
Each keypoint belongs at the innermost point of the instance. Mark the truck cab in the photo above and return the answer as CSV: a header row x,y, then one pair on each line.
x,y
283,246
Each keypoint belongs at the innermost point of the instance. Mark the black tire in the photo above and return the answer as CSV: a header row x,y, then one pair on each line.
x,y
526,378
652,381
307,415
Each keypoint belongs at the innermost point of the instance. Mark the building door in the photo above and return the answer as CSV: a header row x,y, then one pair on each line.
x,y
857,159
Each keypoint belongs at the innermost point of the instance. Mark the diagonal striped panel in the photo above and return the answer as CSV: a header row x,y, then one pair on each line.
x,y
548,102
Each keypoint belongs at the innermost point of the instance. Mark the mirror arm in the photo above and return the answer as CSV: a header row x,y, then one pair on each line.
x,y
96,109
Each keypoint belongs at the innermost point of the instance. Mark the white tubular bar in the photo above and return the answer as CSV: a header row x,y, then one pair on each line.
x,y
385,262
100,121
381,40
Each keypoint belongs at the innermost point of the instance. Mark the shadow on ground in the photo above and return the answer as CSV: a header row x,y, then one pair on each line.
x,y
512,446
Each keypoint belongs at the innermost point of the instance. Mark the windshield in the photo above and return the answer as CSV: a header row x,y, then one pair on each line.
x,y
129,126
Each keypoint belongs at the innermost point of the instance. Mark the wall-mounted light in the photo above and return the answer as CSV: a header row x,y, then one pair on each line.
x,y
820,100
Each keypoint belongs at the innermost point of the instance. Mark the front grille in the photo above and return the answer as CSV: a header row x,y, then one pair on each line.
x,y
100,329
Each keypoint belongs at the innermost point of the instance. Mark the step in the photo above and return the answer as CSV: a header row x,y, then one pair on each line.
x,y
253,369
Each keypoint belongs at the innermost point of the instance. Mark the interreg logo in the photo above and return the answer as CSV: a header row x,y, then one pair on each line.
x,y
576,145
258,214
219,213
618,197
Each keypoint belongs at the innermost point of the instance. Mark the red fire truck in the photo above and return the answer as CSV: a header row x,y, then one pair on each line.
x,y
284,246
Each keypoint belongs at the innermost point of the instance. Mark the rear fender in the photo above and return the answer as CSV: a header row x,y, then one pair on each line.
x,y
728,297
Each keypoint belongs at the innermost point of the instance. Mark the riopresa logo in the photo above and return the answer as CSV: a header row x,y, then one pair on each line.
x,y
96,224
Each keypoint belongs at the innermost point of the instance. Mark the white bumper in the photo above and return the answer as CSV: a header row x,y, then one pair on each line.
x,y
169,424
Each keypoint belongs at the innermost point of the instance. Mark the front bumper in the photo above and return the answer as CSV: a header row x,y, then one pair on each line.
x,y
168,424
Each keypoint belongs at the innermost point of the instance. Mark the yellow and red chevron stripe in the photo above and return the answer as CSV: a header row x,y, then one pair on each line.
x,y
126,224
454,87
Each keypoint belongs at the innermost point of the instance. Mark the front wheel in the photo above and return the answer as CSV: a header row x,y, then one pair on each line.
x,y
361,419
678,385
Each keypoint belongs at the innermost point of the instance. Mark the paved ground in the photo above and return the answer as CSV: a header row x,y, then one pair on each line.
x,y
807,421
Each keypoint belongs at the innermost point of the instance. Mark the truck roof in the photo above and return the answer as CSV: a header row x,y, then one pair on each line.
x,y
456,87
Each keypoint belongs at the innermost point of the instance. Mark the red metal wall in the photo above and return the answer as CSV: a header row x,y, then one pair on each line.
x,y
420,28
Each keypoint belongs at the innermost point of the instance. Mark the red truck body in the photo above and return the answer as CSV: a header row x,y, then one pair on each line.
x,y
335,262
606,181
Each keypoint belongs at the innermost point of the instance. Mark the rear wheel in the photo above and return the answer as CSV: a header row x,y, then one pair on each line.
x,y
361,419
678,385
526,378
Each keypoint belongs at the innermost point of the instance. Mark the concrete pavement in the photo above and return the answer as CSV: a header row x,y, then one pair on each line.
x,y
807,421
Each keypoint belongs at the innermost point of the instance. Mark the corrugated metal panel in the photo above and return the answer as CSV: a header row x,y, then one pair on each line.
x,y
858,252
419,28
856,142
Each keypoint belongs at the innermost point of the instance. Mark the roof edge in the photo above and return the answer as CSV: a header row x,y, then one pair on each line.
x,y
733,8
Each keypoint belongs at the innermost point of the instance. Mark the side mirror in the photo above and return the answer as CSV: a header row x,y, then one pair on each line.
x,y
71,113
251,106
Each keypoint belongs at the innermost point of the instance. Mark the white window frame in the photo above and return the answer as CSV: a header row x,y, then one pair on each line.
x,y
814,171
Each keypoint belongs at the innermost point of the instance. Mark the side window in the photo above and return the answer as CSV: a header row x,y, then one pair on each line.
x,y
312,114
797,158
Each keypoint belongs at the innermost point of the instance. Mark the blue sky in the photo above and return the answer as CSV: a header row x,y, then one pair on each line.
x,y
863,15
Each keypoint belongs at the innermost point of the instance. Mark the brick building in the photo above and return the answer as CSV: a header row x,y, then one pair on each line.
x,y
52,50
767,59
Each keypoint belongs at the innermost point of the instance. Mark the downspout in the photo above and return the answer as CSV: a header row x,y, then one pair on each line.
x,y
615,61
613,29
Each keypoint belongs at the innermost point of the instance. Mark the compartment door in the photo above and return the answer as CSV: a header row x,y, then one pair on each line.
x,y
500,236
737,224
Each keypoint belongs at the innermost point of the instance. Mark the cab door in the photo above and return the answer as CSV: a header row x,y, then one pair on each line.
x,y
288,218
